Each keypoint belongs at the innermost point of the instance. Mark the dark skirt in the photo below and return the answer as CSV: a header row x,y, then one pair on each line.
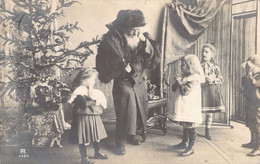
x,y
212,100
87,129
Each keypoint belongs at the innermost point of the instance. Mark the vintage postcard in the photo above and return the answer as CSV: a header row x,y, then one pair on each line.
x,y
129,81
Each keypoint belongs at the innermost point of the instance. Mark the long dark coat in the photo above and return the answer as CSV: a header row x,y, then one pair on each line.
x,y
129,89
252,104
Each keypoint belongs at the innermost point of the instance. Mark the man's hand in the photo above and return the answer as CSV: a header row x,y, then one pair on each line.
x,y
178,78
141,36
128,68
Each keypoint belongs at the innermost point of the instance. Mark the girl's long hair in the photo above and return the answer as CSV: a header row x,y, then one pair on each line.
x,y
194,65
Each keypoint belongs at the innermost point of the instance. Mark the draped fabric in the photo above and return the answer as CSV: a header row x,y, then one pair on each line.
x,y
183,23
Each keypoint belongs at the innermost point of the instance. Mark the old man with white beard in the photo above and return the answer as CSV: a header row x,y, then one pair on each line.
x,y
123,55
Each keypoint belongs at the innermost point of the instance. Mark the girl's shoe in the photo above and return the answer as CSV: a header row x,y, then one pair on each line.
x,y
187,152
184,142
208,137
248,145
181,145
86,161
254,152
100,155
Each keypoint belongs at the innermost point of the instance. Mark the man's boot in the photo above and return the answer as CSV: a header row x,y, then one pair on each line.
x,y
184,142
132,139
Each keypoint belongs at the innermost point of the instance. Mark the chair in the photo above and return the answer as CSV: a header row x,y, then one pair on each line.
x,y
157,104
159,119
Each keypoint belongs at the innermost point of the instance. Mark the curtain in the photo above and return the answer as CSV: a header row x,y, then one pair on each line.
x,y
184,21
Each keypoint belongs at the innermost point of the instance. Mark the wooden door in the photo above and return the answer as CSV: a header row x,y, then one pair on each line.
x,y
243,45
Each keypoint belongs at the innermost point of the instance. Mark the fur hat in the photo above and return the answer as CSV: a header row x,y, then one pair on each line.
x,y
129,18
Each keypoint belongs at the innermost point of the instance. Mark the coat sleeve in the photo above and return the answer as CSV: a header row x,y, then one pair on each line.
x,y
108,63
152,53
245,84
186,88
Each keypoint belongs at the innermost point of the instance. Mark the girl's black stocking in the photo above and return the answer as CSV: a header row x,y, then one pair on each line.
x,y
96,146
83,150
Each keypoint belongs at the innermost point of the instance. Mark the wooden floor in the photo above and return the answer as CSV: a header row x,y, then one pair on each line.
x,y
225,148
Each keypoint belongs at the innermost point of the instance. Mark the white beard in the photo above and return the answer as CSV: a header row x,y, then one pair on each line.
x,y
132,41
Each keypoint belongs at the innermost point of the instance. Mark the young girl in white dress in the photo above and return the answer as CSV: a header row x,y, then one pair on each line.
x,y
187,105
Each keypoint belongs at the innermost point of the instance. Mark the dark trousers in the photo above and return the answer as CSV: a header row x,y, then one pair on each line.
x,y
121,130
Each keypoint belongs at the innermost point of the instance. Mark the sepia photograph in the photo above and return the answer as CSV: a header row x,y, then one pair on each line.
x,y
129,81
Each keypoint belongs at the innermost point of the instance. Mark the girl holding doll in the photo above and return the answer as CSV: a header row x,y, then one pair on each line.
x,y
187,104
87,126
212,101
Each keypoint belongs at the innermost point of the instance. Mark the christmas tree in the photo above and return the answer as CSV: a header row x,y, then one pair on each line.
x,y
35,49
